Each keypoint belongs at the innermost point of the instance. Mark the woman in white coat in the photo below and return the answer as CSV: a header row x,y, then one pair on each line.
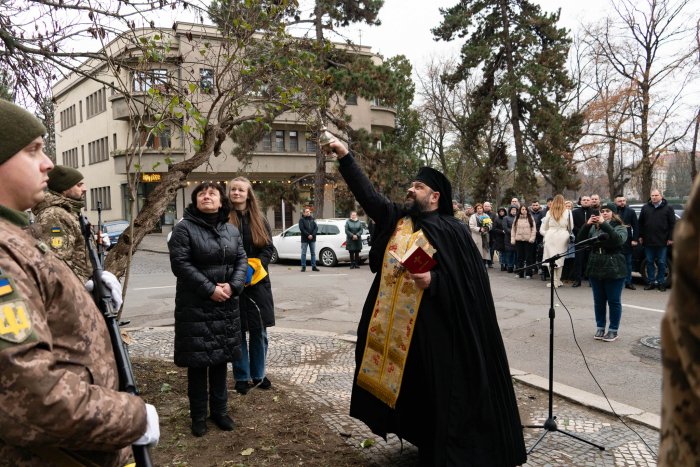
x,y
556,229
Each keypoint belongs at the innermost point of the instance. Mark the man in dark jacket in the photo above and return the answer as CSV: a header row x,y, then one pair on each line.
x,y
507,228
581,216
309,229
629,217
489,212
538,214
656,222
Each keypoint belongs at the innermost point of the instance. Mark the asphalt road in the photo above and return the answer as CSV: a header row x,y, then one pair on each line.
x,y
331,300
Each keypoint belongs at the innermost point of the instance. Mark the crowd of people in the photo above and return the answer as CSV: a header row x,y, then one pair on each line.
x,y
521,237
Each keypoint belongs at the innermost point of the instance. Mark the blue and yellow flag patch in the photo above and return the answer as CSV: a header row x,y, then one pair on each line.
x,y
55,230
5,287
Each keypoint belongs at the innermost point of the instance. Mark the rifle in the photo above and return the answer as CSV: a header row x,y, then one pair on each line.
x,y
100,244
103,300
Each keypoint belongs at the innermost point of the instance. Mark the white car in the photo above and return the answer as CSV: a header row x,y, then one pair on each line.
x,y
330,243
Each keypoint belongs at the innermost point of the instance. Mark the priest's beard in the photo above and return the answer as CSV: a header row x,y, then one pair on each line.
x,y
414,207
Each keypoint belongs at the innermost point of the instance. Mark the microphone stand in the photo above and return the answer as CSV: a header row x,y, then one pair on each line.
x,y
550,425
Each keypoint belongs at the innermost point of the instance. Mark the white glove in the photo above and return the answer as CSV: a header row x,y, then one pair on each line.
x,y
106,242
152,434
114,286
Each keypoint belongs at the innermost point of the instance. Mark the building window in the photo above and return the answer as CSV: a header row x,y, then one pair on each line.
x,y
68,118
103,194
379,144
279,140
206,81
376,102
80,106
82,153
70,158
310,143
162,139
114,142
267,141
96,103
151,79
352,99
293,141
98,151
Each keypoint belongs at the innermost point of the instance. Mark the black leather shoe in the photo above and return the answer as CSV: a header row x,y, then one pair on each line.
x,y
503,267
315,269
490,265
242,387
543,277
199,427
264,384
576,283
599,334
610,336
223,421
357,265
650,287
352,265
510,270
662,287
303,269
630,286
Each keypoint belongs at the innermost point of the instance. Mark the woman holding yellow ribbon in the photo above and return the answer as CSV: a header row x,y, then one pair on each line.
x,y
430,362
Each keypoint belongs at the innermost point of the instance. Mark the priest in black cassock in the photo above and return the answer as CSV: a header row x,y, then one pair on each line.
x,y
430,362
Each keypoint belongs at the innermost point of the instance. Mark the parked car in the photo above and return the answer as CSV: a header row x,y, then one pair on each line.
x,y
639,260
114,230
330,243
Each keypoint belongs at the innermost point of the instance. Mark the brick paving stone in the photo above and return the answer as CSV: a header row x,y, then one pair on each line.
x,y
323,368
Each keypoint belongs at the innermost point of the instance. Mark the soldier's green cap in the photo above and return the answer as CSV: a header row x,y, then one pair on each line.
x,y
18,128
61,178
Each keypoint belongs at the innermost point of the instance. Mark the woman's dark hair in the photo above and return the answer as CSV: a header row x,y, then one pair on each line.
x,y
225,208
518,215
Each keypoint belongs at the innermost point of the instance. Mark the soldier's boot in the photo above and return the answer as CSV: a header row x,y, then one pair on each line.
x,y
199,427
223,421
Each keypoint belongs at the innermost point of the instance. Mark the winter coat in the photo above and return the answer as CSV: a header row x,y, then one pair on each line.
x,y
629,217
556,235
508,227
523,232
481,240
656,224
498,234
353,228
493,217
256,303
308,226
606,260
581,216
207,333
538,217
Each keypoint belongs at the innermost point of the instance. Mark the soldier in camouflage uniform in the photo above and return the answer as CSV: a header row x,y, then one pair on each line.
x,y
59,395
459,214
57,219
680,341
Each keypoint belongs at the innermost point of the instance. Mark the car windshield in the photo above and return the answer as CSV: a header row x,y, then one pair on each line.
x,y
118,227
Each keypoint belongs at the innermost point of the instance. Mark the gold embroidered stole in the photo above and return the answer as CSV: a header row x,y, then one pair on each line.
x,y
393,320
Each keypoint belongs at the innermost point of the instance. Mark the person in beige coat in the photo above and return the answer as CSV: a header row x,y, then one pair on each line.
x,y
480,232
556,229
523,237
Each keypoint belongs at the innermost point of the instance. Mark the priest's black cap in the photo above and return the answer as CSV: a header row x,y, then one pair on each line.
x,y
437,181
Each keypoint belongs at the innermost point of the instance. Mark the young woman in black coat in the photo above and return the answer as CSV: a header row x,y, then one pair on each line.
x,y
257,305
207,257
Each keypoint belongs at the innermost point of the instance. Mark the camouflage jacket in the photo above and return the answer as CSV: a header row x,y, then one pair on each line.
x,y
680,343
57,224
461,215
58,377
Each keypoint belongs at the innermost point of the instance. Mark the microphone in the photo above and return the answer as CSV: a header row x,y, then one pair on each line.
x,y
592,241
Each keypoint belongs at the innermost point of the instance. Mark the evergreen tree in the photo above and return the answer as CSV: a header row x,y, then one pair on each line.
x,y
521,55
44,112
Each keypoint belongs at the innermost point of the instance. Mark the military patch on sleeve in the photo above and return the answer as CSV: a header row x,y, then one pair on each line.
x,y
57,238
16,325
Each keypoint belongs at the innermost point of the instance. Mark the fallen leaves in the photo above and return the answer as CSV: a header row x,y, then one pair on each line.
x,y
247,452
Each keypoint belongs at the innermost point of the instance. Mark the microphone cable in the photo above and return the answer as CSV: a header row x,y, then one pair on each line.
x,y
596,381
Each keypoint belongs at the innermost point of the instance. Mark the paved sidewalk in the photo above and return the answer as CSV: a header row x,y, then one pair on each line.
x,y
322,368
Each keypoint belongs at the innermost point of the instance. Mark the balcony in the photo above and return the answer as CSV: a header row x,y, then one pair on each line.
x,y
383,118
149,159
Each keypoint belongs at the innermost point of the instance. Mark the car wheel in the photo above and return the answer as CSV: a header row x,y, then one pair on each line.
x,y
328,258
275,257
669,272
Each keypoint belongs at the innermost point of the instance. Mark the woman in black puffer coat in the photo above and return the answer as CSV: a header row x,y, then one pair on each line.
x,y
499,238
208,259
257,305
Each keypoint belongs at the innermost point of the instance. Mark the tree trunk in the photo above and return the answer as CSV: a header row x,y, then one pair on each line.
x,y
693,166
610,170
157,201
522,182
319,182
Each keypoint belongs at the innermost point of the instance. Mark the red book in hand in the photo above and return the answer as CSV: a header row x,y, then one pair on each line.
x,y
416,260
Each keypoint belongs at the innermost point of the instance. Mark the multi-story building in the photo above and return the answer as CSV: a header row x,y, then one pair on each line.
x,y
94,127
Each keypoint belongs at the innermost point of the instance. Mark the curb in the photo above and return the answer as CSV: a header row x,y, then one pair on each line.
x,y
577,396
153,251
587,399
